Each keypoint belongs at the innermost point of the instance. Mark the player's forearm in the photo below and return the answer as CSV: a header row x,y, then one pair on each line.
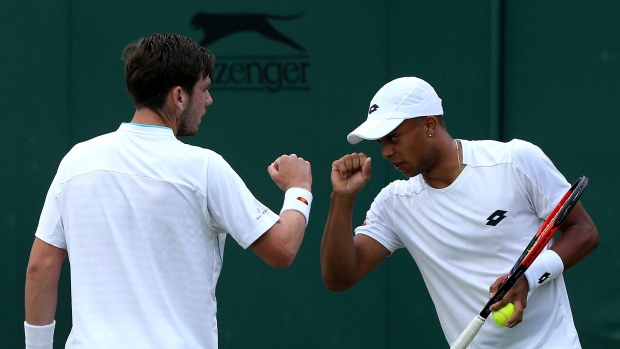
x,y
279,245
578,239
575,244
42,277
292,234
338,253
41,297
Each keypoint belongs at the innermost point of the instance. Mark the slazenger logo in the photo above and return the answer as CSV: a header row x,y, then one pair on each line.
x,y
252,72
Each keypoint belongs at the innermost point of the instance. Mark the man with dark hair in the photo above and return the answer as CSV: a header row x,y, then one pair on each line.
x,y
143,217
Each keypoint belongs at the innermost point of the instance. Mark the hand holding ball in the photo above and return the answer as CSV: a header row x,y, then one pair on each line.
x,y
501,316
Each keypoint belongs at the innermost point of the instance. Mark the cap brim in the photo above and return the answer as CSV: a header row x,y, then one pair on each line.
x,y
373,129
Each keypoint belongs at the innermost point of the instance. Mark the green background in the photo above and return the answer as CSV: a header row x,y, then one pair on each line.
x,y
546,72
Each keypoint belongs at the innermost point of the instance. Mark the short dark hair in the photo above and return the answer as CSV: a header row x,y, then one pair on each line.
x,y
157,63
440,120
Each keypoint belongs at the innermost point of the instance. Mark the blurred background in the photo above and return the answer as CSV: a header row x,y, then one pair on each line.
x,y
546,72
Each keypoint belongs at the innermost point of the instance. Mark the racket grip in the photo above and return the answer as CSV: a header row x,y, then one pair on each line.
x,y
468,333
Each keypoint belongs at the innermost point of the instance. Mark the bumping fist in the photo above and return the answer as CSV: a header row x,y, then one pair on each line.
x,y
289,171
350,173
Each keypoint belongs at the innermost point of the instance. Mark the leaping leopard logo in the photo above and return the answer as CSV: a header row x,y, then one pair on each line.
x,y
216,26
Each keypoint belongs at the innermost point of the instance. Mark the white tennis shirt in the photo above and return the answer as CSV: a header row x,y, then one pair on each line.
x,y
465,236
144,218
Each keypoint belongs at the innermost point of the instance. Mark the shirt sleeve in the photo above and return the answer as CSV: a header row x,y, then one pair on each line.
x,y
232,206
543,183
50,228
377,224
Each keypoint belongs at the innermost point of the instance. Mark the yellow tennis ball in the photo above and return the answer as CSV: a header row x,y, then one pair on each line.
x,y
501,316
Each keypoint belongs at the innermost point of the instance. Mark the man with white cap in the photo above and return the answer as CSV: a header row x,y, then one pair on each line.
x,y
465,214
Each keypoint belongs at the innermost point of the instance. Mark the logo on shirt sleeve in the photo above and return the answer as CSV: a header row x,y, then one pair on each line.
x,y
365,221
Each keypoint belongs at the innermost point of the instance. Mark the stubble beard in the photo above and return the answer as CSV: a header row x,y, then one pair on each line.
x,y
185,122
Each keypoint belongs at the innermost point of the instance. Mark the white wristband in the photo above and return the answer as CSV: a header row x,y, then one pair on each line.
x,y
298,199
39,337
545,268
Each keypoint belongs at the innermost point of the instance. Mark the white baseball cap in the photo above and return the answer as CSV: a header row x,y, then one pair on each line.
x,y
399,99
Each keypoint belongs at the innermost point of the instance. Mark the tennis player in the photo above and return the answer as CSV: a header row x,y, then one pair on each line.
x,y
143,217
465,214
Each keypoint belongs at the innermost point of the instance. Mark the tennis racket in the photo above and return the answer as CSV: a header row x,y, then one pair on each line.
x,y
534,248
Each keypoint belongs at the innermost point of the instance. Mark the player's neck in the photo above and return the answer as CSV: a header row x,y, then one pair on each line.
x,y
150,117
448,167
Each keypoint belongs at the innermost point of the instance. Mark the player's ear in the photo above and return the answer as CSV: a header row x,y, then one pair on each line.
x,y
178,97
430,123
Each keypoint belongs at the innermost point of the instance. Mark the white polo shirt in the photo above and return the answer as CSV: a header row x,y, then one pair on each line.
x,y
465,236
144,219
